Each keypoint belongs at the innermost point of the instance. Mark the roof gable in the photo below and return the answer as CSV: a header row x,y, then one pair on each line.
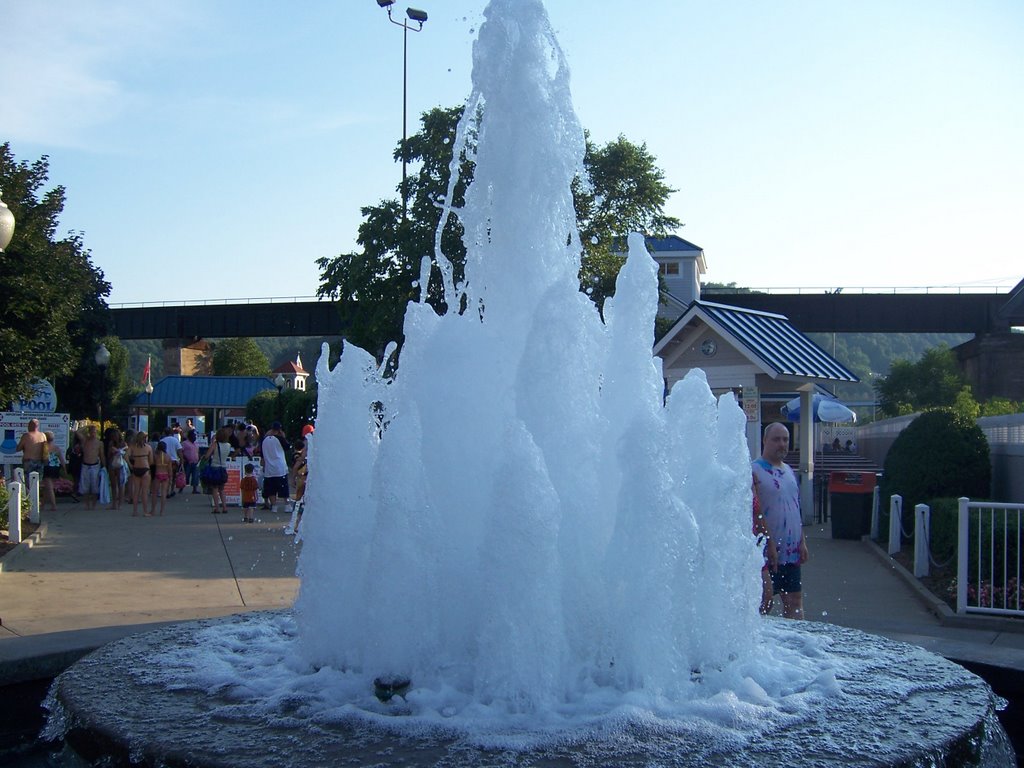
x,y
766,339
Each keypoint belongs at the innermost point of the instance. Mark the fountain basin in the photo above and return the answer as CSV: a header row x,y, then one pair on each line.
x,y
896,704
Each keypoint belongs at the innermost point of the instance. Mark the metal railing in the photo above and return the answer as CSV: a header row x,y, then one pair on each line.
x,y
998,286
219,302
989,544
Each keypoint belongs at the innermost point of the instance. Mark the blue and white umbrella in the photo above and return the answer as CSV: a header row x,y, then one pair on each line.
x,y
824,409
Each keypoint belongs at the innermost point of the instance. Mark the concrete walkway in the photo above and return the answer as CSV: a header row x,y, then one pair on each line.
x,y
87,578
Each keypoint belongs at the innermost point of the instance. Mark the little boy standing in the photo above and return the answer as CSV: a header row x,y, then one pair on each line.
x,y
250,487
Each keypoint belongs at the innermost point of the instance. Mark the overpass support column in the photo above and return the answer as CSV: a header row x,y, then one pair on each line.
x,y
806,456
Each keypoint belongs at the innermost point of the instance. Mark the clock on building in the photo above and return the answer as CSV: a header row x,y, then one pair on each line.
x,y
708,347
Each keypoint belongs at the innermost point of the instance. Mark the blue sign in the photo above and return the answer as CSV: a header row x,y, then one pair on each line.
x,y
42,400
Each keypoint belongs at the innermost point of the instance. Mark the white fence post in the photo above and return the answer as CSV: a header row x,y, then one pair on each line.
x,y
922,538
895,513
33,498
961,554
14,514
876,505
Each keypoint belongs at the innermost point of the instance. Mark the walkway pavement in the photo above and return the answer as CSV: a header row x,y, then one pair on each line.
x,y
86,578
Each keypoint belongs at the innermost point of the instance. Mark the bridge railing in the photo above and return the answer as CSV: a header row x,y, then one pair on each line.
x,y
846,289
218,302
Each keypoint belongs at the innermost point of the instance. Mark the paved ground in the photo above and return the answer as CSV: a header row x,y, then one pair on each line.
x,y
90,577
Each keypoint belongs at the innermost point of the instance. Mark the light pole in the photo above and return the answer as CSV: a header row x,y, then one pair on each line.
x,y
102,361
149,404
6,226
279,382
419,17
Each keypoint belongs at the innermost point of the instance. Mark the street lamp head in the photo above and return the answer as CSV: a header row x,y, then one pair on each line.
x,y
279,382
149,387
6,226
415,14
103,356
385,3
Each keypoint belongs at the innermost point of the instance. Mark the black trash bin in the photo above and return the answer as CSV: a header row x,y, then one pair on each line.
x,y
850,497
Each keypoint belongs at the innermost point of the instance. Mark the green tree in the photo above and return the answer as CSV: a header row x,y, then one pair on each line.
x,y
52,308
626,192
934,381
1000,406
239,357
293,408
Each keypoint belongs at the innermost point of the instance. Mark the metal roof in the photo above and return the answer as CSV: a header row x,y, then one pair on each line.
x,y
204,391
670,243
768,338
657,244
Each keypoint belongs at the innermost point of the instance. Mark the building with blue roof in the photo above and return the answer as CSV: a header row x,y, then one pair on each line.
x,y
190,396
758,356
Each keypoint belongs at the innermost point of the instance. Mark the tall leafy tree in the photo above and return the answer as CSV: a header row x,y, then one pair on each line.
x,y
625,192
240,356
53,309
934,381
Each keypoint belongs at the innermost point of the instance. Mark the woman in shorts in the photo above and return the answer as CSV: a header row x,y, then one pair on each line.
x,y
53,465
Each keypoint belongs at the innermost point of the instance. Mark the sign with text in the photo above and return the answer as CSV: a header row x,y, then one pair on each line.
x,y
233,488
14,425
42,400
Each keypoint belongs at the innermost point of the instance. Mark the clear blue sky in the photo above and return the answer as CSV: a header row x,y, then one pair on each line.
x,y
216,148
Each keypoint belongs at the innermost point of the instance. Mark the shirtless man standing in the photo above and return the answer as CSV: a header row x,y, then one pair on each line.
x,y
92,452
31,447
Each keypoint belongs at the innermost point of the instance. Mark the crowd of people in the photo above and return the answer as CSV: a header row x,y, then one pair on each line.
x,y
145,469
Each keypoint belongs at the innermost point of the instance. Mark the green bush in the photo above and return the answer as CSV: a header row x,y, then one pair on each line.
x,y
293,408
939,455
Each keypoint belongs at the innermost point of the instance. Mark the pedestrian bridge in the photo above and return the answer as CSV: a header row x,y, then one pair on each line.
x,y
846,311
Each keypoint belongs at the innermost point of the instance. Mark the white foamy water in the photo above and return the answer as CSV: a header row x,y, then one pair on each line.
x,y
517,520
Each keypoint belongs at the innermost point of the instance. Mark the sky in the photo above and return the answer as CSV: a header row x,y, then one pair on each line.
x,y
214,149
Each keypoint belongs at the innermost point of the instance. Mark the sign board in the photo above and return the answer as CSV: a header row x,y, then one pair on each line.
x,y
42,400
13,425
751,403
232,488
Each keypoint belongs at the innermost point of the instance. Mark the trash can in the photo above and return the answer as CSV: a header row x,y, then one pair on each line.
x,y
850,496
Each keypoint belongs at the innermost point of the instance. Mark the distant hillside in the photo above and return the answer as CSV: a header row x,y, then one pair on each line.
x,y
870,355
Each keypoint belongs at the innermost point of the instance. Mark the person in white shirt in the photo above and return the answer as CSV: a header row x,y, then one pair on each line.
x,y
173,444
275,465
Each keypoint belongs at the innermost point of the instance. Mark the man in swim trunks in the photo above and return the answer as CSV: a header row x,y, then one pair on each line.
x,y
778,496
31,448
92,453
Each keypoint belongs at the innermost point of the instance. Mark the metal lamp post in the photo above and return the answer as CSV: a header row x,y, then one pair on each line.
x,y
419,17
279,382
6,226
102,361
149,404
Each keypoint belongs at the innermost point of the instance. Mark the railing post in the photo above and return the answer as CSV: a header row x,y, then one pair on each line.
x,y
922,530
876,512
14,514
895,513
961,554
33,498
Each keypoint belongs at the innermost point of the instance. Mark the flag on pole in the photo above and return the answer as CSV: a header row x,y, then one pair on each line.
x,y
146,371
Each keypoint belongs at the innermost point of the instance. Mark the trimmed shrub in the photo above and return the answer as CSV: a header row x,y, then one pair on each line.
x,y
939,455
